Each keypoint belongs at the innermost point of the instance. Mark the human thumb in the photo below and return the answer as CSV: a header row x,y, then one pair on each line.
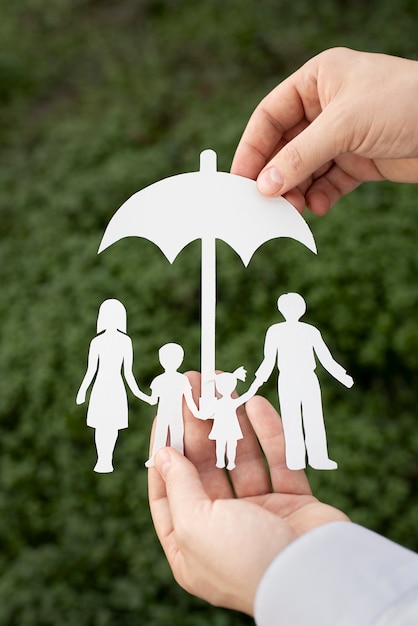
x,y
306,153
183,485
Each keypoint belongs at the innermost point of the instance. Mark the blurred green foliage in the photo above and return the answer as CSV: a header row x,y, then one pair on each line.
x,y
99,99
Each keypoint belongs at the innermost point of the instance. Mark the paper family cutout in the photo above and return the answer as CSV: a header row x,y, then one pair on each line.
x,y
210,205
110,355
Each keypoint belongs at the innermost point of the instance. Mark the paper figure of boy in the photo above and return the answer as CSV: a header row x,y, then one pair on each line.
x,y
293,345
110,353
226,430
169,389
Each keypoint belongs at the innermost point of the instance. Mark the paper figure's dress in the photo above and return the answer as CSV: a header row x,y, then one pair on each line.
x,y
108,404
225,423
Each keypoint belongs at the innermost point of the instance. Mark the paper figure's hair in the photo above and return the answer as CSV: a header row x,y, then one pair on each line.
x,y
240,373
112,314
227,381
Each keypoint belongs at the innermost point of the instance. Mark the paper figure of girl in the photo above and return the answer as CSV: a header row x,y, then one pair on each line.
x,y
226,430
169,389
110,353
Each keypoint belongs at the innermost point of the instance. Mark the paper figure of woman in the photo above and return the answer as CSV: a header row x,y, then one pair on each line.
x,y
110,354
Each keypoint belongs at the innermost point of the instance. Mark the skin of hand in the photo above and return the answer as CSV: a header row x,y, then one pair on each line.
x,y
220,533
345,117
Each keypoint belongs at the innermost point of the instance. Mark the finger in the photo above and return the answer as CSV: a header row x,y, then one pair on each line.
x,y
201,450
280,116
157,496
303,155
250,476
175,493
342,178
279,112
158,503
268,427
184,492
296,197
346,174
288,136
328,189
160,512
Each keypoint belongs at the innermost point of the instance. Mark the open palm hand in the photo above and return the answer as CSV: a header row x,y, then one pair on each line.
x,y
221,530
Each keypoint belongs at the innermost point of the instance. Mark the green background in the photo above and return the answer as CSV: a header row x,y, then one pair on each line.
x,y
99,99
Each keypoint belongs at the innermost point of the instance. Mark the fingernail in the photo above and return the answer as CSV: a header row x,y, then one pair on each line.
x,y
163,461
270,182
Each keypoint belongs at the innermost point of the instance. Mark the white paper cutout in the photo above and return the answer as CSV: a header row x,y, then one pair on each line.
x,y
110,353
292,345
226,430
169,389
206,205
210,205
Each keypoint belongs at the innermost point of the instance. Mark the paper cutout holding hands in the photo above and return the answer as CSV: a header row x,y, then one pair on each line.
x,y
293,345
169,389
173,202
110,352
226,430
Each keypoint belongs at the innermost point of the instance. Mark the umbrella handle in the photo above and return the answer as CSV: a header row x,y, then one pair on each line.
x,y
208,315
208,161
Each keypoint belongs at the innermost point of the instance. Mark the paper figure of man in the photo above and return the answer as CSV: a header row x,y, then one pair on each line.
x,y
293,346
110,353
169,389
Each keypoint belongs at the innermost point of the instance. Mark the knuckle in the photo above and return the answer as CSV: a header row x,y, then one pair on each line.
x,y
293,157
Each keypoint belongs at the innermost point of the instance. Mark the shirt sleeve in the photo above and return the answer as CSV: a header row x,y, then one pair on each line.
x,y
340,574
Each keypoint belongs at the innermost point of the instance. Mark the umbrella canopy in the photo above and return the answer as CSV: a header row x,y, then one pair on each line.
x,y
206,205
